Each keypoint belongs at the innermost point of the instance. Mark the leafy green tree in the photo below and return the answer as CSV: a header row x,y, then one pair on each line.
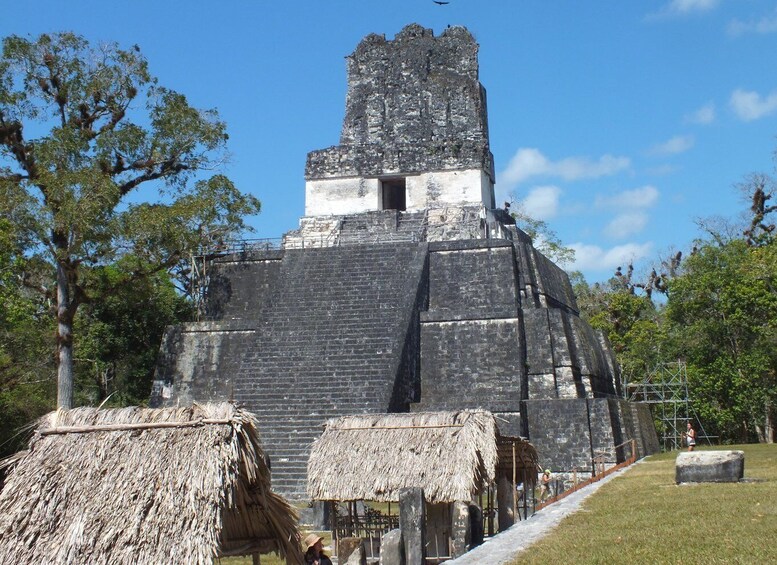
x,y
118,337
631,321
724,307
26,338
98,162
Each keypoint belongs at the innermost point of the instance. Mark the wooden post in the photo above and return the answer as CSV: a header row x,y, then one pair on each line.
x,y
333,512
490,499
515,501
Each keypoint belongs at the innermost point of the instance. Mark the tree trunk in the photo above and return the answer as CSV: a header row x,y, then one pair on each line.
x,y
64,341
769,424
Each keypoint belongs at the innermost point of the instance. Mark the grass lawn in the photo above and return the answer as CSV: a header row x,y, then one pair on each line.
x,y
643,517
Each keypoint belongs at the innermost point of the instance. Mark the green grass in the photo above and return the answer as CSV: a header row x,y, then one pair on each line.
x,y
643,517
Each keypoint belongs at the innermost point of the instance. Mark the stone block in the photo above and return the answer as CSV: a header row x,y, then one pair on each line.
x,y
392,550
471,364
412,523
351,551
566,384
505,496
461,531
710,467
560,430
542,386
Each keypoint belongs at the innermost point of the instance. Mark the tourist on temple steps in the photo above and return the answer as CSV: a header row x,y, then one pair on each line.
x,y
314,551
690,436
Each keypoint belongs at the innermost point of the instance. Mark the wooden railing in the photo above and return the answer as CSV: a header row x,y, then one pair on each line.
x,y
600,470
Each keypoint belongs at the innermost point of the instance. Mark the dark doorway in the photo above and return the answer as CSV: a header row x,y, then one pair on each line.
x,y
393,194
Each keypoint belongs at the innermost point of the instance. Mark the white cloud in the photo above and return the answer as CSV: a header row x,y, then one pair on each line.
x,y
704,115
643,197
749,105
593,257
764,25
624,225
687,6
529,162
678,144
683,7
542,202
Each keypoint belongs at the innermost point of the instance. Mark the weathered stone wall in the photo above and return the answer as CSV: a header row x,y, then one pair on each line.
x,y
471,344
416,88
389,326
472,278
353,195
198,361
238,284
560,431
644,429
565,356
608,430
373,160
543,283
471,364
414,109
568,433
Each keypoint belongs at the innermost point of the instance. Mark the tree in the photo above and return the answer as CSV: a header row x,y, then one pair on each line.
x,y
98,162
759,189
117,338
724,307
26,336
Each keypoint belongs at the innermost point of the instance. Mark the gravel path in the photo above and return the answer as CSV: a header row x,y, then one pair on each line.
x,y
505,546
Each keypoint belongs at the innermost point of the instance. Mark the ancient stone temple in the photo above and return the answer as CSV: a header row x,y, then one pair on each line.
x,y
405,288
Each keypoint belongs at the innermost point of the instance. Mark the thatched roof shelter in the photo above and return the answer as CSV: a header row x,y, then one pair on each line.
x,y
136,486
451,455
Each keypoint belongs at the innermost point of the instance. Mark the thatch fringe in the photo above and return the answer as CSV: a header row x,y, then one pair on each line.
x,y
153,494
451,455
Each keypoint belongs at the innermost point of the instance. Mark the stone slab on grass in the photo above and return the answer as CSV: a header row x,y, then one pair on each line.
x,y
710,467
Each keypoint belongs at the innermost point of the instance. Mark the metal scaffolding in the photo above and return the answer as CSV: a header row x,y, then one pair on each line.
x,y
665,388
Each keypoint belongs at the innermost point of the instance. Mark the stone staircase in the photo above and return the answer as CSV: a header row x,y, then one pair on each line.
x,y
383,226
330,343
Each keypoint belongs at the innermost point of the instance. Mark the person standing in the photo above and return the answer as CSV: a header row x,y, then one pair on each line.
x,y
690,435
314,551
545,485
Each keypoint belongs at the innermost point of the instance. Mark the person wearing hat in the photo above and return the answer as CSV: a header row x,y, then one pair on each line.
x,y
314,550
545,485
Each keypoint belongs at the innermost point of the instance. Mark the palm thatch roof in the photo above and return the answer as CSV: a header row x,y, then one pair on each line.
x,y
137,485
451,455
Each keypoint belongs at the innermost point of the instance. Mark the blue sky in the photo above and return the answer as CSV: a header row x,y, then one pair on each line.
x,y
618,123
